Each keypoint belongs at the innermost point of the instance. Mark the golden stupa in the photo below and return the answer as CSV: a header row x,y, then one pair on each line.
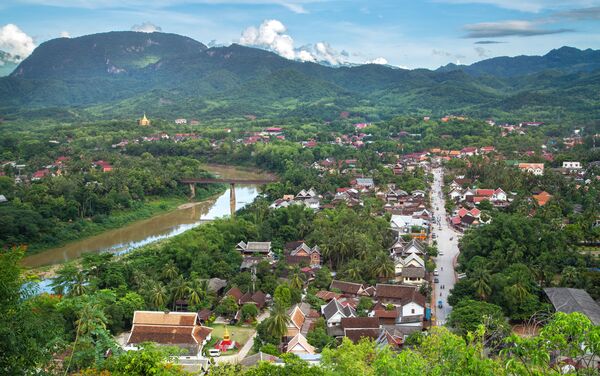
x,y
144,121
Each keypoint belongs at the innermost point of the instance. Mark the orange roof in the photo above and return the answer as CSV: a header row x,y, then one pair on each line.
x,y
454,152
542,198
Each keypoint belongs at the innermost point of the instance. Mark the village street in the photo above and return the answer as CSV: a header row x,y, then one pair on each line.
x,y
447,241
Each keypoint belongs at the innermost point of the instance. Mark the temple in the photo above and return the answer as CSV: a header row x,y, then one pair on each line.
x,y
144,121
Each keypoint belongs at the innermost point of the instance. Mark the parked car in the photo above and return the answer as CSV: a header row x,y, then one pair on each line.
x,y
436,280
436,272
214,353
440,304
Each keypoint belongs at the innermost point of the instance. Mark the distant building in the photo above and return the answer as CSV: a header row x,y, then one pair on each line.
x,y
569,300
144,121
180,121
572,165
532,168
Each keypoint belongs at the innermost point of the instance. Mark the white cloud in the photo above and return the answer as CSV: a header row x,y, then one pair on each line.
x,y
65,34
14,41
379,60
271,35
518,28
146,27
532,6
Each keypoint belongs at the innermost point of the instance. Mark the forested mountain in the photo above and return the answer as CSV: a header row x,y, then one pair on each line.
x,y
564,59
125,73
7,63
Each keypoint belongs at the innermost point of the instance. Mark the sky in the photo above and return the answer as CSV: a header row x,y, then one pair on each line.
x,y
404,33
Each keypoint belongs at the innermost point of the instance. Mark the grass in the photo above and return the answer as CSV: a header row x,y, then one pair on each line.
x,y
239,334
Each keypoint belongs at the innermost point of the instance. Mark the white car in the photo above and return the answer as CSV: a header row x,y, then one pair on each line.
x,y
436,273
214,353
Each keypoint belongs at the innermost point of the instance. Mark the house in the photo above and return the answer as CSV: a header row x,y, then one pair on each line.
x,y
413,275
468,152
179,329
532,168
363,183
570,300
39,174
297,319
386,317
254,248
303,254
299,345
455,194
180,121
411,301
499,195
403,249
406,223
216,285
348,288
572,165
357,328
104,166
487,149
387,339
3,199
334,312
395,195
542,198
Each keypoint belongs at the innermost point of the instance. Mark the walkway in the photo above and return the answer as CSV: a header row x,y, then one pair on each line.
x,y
447,241
236,358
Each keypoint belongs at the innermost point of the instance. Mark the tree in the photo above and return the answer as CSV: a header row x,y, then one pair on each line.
x,y
276,324
158,295
198,290
228,306
322,278
468,315
481,283
170,271
30,330
249,311
283,296
149,360
296,281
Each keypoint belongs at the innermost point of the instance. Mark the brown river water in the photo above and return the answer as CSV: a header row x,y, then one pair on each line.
x,y
159,227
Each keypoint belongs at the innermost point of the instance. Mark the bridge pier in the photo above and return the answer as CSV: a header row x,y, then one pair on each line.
x,y
232,199
192,190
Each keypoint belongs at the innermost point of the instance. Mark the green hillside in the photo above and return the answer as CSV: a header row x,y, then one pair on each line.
x,y
122,73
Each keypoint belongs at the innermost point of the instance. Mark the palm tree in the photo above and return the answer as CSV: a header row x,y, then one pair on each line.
x,y
278,321
170,271
158,295
481,283
569,276
197,291
79,285
179,289
296,281
384,267
354,270
519,291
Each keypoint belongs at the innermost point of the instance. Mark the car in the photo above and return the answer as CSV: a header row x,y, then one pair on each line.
x,y
440,253
440,304
436,280
434,236
214,353
436,272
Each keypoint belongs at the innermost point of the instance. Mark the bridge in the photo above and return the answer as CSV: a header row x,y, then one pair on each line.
x,y
232,182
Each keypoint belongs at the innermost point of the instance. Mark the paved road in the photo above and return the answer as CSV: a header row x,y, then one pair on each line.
x,y
447,239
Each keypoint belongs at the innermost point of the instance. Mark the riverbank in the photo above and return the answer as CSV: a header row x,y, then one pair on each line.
x,y
152,207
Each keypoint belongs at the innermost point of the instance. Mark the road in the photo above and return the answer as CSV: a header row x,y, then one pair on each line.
x,y
447,240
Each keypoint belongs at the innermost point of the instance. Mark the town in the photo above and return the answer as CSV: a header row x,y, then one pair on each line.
x,y
355,241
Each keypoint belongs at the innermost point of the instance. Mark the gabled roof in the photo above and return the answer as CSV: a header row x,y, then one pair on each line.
x,y
569,300
402,293
300,341
297,317
167,328
355,335
235,292
359,322
347,287
333,307
413,272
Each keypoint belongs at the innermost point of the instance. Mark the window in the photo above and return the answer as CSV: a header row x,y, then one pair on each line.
x,y
412,311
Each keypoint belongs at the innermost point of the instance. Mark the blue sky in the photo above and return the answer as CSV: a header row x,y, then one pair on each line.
x,y
426,33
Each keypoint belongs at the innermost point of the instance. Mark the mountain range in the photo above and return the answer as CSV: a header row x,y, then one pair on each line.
x,y
122,74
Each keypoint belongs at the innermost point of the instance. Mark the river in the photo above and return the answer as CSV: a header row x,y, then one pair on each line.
x,y
140,233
